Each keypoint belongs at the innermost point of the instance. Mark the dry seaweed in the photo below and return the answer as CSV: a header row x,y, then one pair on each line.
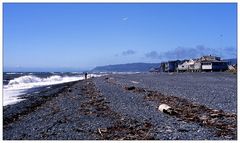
x,y
224,123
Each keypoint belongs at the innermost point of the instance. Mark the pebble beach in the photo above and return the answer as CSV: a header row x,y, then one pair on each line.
x,y
125,107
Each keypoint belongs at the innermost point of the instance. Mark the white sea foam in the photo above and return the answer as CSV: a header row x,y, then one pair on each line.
x,y
11,73
30,81
20,85
95,75
125,72
12,96
76,72
135,82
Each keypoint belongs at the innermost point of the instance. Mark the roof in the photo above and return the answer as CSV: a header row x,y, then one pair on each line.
x,y
174,61
213,61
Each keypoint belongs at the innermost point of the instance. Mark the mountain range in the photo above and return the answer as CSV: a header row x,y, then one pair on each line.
x,y
130,67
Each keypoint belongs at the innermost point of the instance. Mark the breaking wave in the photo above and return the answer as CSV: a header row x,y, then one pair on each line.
x,y
30,81
19,86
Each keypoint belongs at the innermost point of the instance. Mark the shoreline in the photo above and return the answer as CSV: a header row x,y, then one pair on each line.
x,y
113,107
31,101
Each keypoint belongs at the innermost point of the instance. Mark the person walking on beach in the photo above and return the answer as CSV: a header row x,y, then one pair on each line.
x,y
85,75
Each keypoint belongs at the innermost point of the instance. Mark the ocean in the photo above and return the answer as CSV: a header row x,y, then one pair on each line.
x,y
16,84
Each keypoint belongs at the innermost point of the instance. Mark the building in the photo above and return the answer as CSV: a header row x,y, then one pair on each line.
x,y
190,66
214,66
162,67
183,66
210,58
205,63
171,66
213,63
198,66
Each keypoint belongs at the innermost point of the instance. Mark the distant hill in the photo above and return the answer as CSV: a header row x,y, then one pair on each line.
x,y
131,67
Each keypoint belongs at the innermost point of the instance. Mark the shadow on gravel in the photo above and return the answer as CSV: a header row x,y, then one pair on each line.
x,y
225,124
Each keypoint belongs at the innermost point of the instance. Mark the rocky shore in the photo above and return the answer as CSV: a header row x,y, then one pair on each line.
x,y
125,107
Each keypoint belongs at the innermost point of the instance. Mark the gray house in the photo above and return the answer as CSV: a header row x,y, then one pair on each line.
x,y
162,66
205,63
213,63
214,66
170,66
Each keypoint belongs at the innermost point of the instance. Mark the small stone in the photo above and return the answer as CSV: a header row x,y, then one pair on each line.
x,y
183,130
130,88
203,118
169,130
104,130
215,115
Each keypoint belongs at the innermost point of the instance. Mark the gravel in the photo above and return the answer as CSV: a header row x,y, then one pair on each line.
x,y
104,109
134,105
215,90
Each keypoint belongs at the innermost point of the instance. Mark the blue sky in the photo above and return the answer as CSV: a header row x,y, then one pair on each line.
x,y
83,36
